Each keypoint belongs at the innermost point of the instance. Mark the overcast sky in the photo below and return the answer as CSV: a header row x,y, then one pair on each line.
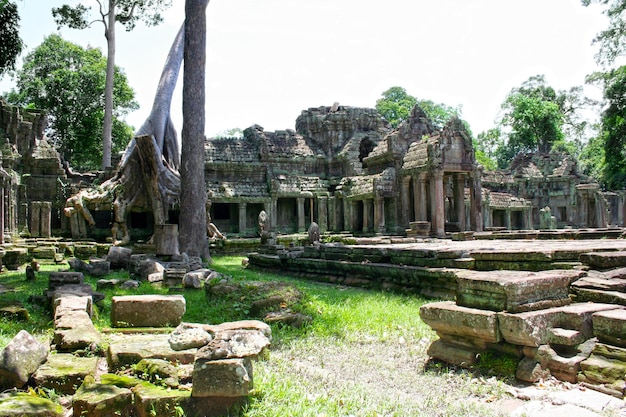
x,y
267,60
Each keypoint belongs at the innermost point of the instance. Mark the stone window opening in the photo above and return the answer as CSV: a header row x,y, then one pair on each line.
x,y
365,148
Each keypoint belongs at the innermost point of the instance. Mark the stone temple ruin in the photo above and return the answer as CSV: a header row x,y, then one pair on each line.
x,y
343,168
531,259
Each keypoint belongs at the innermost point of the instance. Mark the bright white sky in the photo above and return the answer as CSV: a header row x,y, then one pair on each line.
x,y
267,60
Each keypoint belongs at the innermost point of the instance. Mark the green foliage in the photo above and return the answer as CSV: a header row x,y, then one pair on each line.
x,y
486,145
395,105
610,160
11,45
439,113
536,117
67,81
612,40
127,12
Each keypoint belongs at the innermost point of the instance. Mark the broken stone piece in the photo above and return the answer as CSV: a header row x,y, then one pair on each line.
x,y
20,359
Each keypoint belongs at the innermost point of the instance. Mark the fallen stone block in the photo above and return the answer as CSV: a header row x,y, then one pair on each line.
x,y
119,257
64,302
102,400
514,291
564,365
464,355
65,372
20,404
230,344
605,369
78,337
610,327
126,350
58,279
20,359
147,310
222,378
604,260
448,318
532,328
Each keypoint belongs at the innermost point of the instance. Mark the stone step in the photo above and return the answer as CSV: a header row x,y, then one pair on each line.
x,y
604,260
147,310
65,372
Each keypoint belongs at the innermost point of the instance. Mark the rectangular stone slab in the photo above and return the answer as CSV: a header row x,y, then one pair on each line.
x,y
130,349
532,328
448,318
147,310
610,326
514,291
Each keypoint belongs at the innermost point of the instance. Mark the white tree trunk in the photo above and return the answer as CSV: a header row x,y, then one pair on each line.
x,y
107,126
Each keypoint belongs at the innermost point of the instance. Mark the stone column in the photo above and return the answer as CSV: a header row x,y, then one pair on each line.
x,y
2,212
332,214
507,219
459,199
273,213
421,208
301,222
476,202
35,218
322,213
379,214
367,208
243,213
45,219
438,210
405,197
348,225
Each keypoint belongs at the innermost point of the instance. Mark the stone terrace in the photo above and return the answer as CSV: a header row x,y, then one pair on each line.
x,y
556,305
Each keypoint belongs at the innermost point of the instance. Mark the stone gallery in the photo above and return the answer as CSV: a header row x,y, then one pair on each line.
x,y
343,168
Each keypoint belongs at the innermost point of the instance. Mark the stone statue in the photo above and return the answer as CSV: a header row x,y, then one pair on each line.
x,y
211,229
314,233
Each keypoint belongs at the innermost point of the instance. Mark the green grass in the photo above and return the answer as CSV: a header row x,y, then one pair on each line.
x,y
363,354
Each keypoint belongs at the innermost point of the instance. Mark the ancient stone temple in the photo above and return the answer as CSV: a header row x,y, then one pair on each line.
x,y
31,178
346,170
343,168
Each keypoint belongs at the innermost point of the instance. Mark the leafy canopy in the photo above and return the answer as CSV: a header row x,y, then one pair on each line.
x,y
67,81
395,106
11,44
537,118
127,12
612,40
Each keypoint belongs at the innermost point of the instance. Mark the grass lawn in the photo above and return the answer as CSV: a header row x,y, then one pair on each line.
x,y
364,353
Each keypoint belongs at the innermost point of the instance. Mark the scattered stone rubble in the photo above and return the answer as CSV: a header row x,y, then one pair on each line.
x,y
199,369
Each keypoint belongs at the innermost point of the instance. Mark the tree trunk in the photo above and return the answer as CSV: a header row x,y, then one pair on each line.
x,y
107,126
193,236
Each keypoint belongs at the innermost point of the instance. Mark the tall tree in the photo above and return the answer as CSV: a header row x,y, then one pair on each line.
x,y
612,40
536,118
128,13
192,224
395,106
611,160
67,81
11,45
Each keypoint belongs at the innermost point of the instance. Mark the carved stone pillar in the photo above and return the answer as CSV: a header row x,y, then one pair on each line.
x,y
242,218
379,214
301,222
322,213
476,202
273,213
459,199
438,210
421,209
367,210
347,215
507,219
405,199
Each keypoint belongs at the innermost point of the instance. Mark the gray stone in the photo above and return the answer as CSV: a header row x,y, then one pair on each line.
x,y
155,277
222,378
234,344
21,404
20,359
446,317
188,336
610,326
58,279
64,372
193,279
119,257
102,400
532,328
98,267
126,350
147,310
149,266
604,260
130,284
